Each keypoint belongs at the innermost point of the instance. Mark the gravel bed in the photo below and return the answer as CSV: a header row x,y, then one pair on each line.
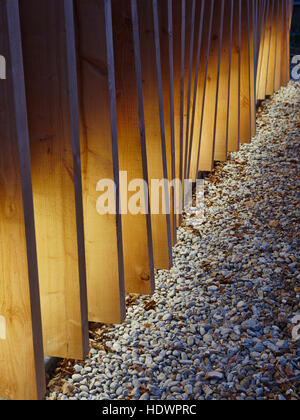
x,y
223,322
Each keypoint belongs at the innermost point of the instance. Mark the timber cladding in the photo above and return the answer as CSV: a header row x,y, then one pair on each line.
x,y
156,89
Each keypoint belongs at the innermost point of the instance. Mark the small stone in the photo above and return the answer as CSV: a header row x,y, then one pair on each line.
x,y
214,375
77,378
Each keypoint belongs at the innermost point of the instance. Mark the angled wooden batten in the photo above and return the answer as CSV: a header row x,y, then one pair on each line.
x,y
191,36
203,48
206,155
157,143
247,62
137,231
178,24
278,46
265,51
221,140
197,93
51,84
99,156
234,94
165,28
21,346
272,53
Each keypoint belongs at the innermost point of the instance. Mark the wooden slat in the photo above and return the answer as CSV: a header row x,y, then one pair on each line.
x,y
272,54
138,251
191,79
206,28
156,140
193,143
279,27
221,145
206,156
165,24
265,51
178,54
54,140
245,92
99,155
253,63
234,96
21,346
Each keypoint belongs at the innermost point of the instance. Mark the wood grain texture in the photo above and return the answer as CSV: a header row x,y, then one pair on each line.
x,y
206,157
201,87
178,8
279,28
221,143
234,95
272,53
156,140
21,346
197,92
245,87
138,251
105,279
55,178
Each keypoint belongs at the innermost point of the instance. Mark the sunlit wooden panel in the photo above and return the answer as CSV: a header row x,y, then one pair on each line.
x,y
54,141
136,228
245,72
272,53
253,63
165,21
278,47
206,157
156,140
205,31
265,51
197,91
261,19
224,86
178,8
21,346
234,94
194,31
99,155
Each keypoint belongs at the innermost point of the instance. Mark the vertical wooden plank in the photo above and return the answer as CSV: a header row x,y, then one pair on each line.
x,y
206,156
196,107
172,170
245,92
272,54
234,97
224,86
165,26
260,41
48,46
189,86
284,63
252,64
136,229
261,94
99,155
21,345
206,31
277,80
177,6
156,141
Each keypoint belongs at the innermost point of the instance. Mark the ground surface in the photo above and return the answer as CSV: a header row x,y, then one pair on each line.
x,y
222,324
